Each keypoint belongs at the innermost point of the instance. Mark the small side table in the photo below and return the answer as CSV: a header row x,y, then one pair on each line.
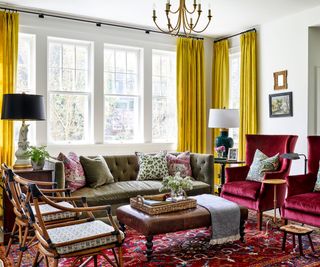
x,y
299,231
223,162
274,182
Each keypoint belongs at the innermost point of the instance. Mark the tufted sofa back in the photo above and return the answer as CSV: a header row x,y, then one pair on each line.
x,y
126,168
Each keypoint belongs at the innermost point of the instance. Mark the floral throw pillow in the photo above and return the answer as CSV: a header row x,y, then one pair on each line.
x,y
317,185
262,163
73,170
152,167
180,163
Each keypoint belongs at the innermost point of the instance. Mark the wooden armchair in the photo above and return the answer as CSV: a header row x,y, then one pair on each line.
x,y
85,238
15,187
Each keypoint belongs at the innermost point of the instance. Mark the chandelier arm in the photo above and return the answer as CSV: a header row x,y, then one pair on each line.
x,y
190,12
160,28
204,27
196,23
186,22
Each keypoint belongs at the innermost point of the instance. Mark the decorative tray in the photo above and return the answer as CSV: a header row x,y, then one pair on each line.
x,y
157,204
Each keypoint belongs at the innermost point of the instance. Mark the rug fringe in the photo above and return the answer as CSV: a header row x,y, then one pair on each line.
x,y
223,240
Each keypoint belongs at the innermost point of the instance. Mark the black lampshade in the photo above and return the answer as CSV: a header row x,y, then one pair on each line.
x,y
291,156
23,107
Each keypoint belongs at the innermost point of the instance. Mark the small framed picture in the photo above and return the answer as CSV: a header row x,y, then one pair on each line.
x,y
280,105
232,154
280,80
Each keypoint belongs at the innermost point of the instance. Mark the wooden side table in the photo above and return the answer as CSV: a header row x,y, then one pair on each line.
x,y
8,214
223,162
275,183
299,231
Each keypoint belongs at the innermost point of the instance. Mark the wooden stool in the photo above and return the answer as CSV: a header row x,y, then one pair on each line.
x,y
296,230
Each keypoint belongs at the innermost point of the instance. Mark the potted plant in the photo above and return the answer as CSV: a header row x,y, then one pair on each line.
x,y
37,156
220,151
176,184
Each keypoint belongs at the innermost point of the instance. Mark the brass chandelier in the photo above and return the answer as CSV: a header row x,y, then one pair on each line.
x,y
185,22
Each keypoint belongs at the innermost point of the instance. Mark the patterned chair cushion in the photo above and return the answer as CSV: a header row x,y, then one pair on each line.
x,y
152,167
261,164
45,208
180,163
74,233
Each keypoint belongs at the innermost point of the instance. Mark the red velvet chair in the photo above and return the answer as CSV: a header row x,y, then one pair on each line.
x,y
256,195
302,204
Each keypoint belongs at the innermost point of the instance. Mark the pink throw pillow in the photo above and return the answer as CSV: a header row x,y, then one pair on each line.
x,y
74,173
180,163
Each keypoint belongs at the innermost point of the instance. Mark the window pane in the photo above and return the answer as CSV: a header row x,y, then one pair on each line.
x,y
82,58
132,84
68,56
68,117
132,62
164,107
54,79
81,80
23,78
55,55
120,83
120,61
67,79
109,82
121,118
109,60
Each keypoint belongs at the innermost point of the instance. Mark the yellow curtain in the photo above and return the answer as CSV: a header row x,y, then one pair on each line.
x,y
191,96
248,89
220,88
9,29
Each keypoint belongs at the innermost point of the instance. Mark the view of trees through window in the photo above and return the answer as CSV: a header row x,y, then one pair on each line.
x,y
26,77
69,90
122,93
234,94
164,119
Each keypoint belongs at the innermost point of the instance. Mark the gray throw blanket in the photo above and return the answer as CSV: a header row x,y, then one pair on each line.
x,y
225,218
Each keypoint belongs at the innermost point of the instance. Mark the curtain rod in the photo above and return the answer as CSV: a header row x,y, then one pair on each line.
x,y
98,23
228,37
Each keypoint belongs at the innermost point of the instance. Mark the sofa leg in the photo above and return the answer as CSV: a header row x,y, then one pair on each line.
x,y
259,220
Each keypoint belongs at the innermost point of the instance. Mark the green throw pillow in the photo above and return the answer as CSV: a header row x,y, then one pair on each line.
x,y
97,171
317,185
262,163
152,167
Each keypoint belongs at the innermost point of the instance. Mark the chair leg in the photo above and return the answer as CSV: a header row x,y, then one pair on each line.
x,y
95,260
55,263
311,244
120,257
259,220
35,260
23,248
284,241
11,239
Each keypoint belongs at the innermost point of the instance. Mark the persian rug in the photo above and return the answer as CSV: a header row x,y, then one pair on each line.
x,y
192,249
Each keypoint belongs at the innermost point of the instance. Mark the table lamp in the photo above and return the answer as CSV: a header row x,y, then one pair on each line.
x,y
23,107
294,156
224,119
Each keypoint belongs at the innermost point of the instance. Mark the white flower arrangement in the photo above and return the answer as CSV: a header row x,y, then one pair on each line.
x,y
176,183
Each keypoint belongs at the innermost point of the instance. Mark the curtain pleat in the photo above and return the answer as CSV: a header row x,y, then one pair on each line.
x,y
191,96
248,89
220,88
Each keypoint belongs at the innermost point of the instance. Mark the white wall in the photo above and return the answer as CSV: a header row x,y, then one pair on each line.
x,y
283,45
43,28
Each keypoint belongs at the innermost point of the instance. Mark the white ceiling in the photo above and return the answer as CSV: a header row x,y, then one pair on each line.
x,y
229,16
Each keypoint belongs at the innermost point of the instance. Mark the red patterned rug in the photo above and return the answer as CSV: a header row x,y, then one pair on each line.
x,y
192,249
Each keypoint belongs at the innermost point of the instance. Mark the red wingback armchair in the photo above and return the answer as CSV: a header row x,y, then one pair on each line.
x,y
302,204
256,195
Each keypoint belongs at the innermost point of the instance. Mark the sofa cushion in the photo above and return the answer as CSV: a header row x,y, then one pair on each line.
x,y
179,163
248,189
74,173
261,164
309,203
97,171
152,167
121,192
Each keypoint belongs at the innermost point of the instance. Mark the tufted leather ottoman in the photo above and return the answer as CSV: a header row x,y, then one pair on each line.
x,y
149,225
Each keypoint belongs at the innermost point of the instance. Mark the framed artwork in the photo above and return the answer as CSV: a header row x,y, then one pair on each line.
x,y
232,154
280,80
280,105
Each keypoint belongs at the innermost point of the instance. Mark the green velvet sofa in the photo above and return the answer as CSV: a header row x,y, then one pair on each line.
x,y
124,169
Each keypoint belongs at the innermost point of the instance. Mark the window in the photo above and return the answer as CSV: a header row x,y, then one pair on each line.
x,y
164,107
122,94
234,94
26,77
69,90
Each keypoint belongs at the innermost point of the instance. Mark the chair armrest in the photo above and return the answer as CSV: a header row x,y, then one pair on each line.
x,y
301,184
274,175
238,173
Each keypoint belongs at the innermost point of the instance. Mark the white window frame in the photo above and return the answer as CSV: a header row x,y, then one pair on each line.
x,y
173,53
89,93
139,96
